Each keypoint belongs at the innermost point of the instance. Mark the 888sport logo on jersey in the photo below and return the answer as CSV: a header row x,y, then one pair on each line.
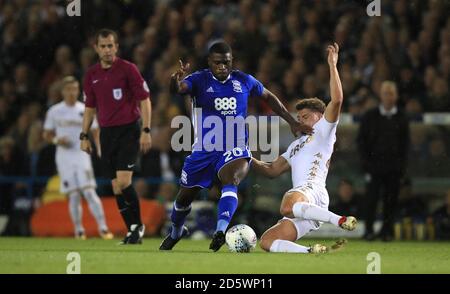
x,y
226,105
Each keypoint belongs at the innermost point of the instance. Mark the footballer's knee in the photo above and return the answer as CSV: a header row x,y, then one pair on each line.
x,y
234,173
235,180
286,209
123,183
116,187
265,242
185,196
288,202
124,179
90,194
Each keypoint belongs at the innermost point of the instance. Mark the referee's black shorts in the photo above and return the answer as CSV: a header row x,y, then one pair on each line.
x,y
120,148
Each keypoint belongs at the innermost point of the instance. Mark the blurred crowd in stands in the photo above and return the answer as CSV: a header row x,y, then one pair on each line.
x,y
282,43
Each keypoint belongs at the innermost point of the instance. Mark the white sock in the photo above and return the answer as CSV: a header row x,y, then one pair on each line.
x,y
313,212
76,211
287,246
96,208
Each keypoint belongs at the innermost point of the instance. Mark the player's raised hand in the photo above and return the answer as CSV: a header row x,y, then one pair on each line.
x,y
333,54
298,128
85,146
181,72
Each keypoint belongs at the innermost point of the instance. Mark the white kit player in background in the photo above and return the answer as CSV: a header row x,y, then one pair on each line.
x,y
62,127
305,206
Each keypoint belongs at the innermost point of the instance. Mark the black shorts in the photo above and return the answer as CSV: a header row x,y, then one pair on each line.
x,y
120,148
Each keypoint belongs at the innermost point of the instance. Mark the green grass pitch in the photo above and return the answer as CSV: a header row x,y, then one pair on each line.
x,y
48,255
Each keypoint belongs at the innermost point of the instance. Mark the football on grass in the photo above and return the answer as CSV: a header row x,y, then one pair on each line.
x,y
241,238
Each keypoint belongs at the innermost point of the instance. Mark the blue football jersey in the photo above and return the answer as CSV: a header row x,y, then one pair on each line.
x,y
220,109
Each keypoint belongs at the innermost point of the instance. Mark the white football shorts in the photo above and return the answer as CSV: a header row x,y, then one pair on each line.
x,y
76,177
317,195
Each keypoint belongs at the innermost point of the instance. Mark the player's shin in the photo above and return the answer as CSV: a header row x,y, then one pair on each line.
x,y
133,201
76,211
178,217
314,212
226,207
288,246
125,211
95,205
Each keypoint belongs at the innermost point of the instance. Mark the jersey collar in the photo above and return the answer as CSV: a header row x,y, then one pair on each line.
x,y
112,65
389,113
223,82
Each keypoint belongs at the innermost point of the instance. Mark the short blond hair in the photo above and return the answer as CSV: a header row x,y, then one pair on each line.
x,y
314,104
68,80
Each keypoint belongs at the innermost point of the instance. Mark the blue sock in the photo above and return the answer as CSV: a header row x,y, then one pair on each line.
x,y
227,206
178,216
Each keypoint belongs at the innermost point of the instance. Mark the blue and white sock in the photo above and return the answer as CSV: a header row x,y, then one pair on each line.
x,y
178,217
226,207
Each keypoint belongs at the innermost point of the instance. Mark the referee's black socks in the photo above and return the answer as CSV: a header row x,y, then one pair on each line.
x,y
125,211
133,202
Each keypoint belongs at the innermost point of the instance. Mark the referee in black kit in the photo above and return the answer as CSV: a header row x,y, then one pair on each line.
x,y
115,91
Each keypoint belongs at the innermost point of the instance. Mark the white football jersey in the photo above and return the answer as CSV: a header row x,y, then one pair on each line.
x,y
309,156
66,121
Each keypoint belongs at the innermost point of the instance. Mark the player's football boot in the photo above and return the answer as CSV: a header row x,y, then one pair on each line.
x,y
125,240
137,233
217,241
318,248
106,235
168,243
348,223
80,235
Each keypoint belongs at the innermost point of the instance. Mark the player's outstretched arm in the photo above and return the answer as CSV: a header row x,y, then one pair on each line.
x,y
334,107
176,84
296,127
271,169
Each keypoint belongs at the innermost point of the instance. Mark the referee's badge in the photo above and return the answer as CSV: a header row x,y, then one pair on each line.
x,y
117,94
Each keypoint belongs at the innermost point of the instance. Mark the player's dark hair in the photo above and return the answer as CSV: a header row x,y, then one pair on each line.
x,y
219,47
104,33
314,104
